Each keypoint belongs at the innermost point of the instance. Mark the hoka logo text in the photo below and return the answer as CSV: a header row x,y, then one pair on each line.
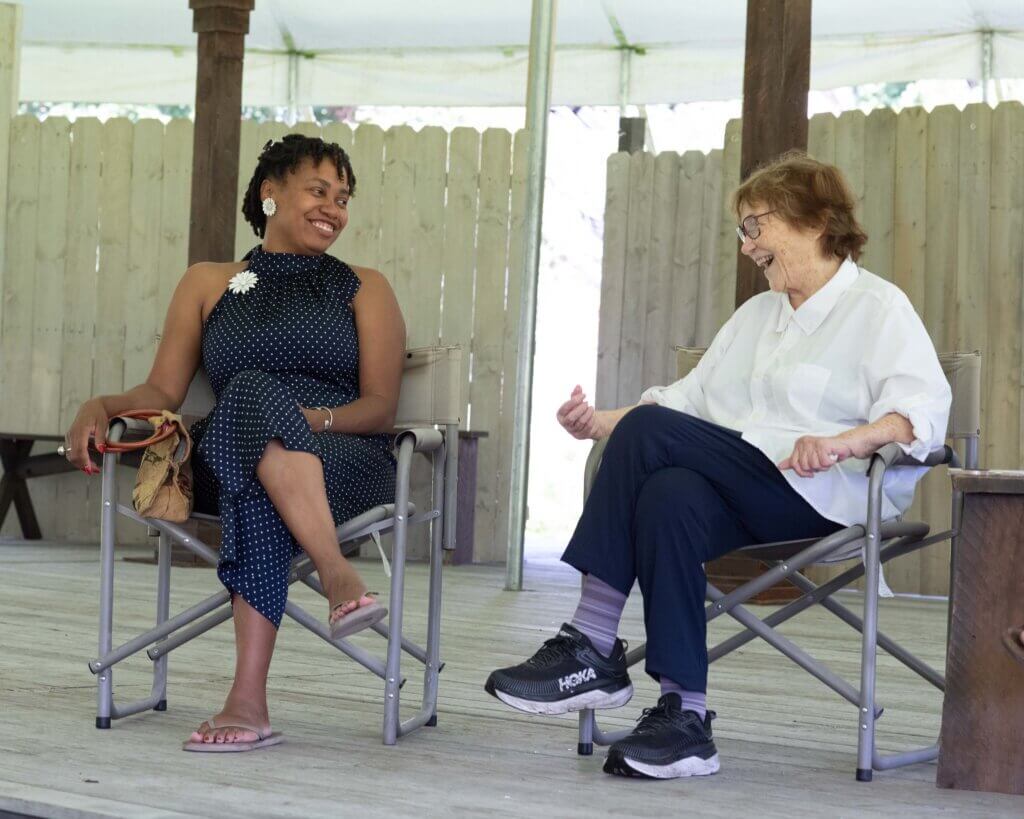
x,y
570,681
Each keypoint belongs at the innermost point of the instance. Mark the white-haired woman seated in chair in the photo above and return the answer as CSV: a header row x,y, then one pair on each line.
x,y
766,440
304,354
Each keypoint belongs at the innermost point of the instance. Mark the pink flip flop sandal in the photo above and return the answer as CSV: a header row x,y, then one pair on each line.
x,y
1012,643
264,740
357,619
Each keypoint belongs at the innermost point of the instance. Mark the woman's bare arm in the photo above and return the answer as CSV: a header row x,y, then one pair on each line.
x,y
607,419
381,332
176,361
813,453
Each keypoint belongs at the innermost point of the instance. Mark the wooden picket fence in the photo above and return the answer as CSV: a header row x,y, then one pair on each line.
x,y
941,195
97,237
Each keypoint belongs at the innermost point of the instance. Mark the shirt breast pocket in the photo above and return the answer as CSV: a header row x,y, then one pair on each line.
x,y
805,389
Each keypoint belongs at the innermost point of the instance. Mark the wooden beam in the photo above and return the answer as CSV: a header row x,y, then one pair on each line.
x,y
221,26
776,79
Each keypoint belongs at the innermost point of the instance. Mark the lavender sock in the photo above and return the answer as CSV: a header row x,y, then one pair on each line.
x,y
692,700
598,613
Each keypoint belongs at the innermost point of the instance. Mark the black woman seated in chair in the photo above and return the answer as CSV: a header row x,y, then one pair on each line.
x,y
304,354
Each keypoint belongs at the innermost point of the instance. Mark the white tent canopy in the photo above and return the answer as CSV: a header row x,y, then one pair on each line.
x,y
474,52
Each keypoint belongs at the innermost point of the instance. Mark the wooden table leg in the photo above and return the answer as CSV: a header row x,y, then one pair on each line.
x,y
983,708
13,488
466,504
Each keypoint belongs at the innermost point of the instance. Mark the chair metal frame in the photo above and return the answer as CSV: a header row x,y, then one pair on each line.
x,y
875,543
428,416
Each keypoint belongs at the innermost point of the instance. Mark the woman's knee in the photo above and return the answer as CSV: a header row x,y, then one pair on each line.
x,y
274,452
674,490
671,505
247,379
637,421
284,467
251,384
648,424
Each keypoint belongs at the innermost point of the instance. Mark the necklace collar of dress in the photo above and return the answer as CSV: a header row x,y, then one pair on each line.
x,y
263,262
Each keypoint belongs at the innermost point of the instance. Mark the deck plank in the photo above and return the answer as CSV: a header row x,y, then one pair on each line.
x,y
785,740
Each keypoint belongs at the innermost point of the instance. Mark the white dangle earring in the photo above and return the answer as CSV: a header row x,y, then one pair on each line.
x,y
269,206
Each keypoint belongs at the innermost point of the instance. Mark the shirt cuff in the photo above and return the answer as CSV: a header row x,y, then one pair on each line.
x,y
921,446
652,395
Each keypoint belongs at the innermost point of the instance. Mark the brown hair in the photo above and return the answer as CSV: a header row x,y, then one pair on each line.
x,y
808,194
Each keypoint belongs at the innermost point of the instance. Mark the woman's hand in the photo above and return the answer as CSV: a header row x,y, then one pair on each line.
x,y
579,418
812,454
90,422
315,418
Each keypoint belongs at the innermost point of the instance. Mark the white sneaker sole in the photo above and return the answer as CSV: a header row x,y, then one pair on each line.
x,y
596,699
691,766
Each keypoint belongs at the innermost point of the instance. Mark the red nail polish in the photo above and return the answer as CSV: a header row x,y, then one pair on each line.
x,y
101,448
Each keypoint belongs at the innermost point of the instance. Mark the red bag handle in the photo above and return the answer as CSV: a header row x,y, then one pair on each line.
x,y
165,431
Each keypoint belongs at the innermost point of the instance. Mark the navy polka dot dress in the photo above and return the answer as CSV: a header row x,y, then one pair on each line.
x,y
288,342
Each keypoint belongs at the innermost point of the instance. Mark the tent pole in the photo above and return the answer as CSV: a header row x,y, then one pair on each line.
x,y
986,65
538,99
10,63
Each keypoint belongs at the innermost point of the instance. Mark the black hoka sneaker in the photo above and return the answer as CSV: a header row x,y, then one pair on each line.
x,y
567,674
667,742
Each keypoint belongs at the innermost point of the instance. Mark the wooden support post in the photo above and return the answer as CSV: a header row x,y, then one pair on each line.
x,y
776,79
632,134
221,26
10,59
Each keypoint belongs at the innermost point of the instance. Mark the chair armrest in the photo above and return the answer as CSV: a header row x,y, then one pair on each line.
x,y
893,455
424,439
128,429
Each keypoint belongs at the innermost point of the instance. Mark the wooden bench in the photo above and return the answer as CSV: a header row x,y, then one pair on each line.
x,y
20,465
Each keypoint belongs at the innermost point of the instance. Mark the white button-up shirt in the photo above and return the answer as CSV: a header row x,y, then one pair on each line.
x,y
852,353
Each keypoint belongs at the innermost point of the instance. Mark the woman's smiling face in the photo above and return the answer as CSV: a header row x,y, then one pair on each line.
x,y
779,248
312,207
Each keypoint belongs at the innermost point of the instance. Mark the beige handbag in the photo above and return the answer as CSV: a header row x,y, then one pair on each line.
x,y
163,488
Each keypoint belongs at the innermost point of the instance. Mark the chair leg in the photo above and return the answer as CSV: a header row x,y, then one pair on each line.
x,y
163,602
108,529
393,670
585,746
869,656
432,667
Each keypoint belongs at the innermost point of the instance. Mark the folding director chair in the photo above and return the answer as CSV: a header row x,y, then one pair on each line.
x,y
873,544
428,423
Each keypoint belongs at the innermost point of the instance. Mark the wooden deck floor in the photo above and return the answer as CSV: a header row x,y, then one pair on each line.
x,y
786,742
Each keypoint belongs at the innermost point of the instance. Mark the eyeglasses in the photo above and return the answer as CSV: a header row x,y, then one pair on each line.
x,y
749,228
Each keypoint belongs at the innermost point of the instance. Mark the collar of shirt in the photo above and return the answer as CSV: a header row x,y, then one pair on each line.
x,y
813,312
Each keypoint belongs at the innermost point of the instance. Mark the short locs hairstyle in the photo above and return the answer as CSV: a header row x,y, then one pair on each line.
x,y
283,157
809,194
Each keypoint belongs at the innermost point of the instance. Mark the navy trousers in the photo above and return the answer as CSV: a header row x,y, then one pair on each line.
x,y
672,492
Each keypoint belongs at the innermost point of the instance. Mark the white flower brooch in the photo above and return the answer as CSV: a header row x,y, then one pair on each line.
x,y
243,281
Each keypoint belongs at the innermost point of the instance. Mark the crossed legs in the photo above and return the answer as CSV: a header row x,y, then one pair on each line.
x,y
294,482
